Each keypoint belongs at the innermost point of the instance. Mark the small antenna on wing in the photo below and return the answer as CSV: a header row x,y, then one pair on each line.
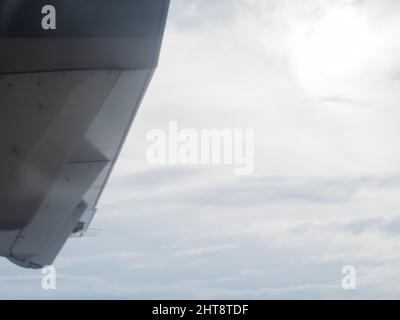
x,y
89,232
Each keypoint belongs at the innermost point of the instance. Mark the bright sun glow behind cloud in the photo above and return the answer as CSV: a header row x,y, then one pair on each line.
x,y
334,47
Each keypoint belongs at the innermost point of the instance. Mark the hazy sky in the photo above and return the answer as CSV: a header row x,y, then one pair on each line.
x,y
319,81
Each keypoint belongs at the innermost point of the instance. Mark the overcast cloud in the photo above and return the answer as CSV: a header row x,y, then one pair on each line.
x,y
319,82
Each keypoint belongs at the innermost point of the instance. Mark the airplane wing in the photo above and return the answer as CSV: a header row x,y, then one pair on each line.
x,y
72,76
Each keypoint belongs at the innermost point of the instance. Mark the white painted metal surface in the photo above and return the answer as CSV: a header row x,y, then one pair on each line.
x,y
63,120
42,119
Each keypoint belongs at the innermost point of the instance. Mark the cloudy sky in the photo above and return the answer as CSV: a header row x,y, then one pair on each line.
x,y
319,81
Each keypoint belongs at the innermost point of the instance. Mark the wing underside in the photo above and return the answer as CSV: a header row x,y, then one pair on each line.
x,y
66,105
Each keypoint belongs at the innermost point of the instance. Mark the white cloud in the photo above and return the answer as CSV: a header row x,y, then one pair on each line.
x,y
324,193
